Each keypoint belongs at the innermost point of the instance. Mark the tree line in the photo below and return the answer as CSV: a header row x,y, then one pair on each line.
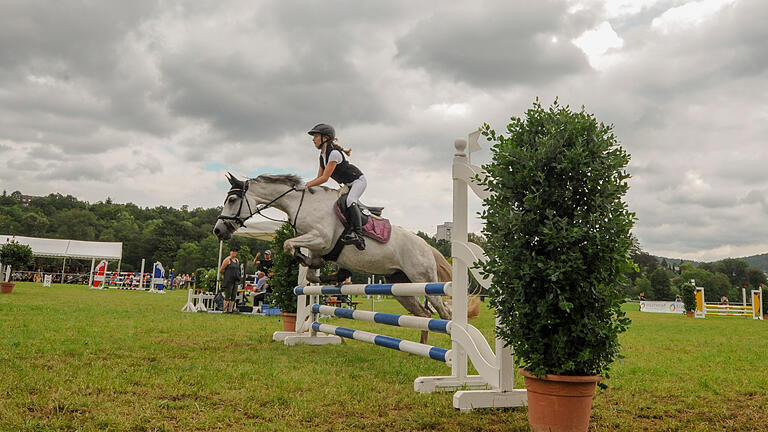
x,y
661,280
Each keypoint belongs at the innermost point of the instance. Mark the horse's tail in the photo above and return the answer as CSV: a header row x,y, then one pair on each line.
x,y
445,274
444,269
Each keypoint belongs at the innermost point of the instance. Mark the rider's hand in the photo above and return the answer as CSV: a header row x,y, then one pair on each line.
x,y
300,187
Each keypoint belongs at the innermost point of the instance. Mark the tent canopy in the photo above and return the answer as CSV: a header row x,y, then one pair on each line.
x,y
261,230
75,249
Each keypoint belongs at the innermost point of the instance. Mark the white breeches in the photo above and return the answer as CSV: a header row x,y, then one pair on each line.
x,y
356,189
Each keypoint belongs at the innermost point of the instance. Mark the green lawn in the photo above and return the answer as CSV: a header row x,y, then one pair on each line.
x,y
76,359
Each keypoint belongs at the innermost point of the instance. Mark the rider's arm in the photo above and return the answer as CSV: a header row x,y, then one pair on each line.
x,y
324,176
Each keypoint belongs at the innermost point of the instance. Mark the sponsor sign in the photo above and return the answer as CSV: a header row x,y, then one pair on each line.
x,y
662,307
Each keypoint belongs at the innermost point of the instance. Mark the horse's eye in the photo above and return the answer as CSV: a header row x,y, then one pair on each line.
x,y
231,200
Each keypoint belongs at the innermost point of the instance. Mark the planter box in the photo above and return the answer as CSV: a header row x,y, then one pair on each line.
x,y
6,287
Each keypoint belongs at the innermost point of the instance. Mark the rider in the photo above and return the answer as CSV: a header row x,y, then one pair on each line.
x,y
333,164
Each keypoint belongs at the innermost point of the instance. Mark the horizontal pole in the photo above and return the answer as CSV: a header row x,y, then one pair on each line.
x,y
429,351
420,323
716,306
733,314
400,289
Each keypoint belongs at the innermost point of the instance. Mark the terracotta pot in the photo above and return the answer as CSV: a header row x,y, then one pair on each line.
x,y
6,287
689,314
289,321
559,403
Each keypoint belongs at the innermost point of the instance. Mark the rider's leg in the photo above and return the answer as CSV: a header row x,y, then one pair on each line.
x,y
354,217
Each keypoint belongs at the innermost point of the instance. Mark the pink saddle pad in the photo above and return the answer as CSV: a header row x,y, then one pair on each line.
x,y
378,229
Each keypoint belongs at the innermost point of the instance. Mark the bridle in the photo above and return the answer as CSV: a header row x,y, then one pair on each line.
x,y
240,193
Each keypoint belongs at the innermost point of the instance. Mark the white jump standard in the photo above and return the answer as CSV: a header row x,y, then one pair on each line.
x,y
493,387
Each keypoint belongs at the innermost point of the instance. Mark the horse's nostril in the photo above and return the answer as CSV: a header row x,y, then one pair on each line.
x,y
215,230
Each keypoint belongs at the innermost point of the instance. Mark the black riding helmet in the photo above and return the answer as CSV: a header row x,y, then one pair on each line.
x,y
324,129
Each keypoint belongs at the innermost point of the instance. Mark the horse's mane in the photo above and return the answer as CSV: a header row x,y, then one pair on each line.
x,y
286,179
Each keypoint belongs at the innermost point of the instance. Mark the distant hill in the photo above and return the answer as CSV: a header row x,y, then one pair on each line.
x,y
759,261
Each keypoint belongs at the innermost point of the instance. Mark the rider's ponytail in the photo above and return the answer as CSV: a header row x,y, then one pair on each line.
x,y
340,148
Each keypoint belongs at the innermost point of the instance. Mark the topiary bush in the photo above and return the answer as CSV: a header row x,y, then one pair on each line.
x,y
558,240
286,271
18,256
205,279
688,293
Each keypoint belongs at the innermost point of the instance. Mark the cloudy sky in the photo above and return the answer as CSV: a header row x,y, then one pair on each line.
x,y
153,101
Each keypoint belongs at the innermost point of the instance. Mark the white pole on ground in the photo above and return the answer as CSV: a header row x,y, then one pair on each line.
x,y
119,262
744,296
7,273
90,276
141,279
62,269
221,245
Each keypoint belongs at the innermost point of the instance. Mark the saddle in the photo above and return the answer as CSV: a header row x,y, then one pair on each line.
x,y
372,224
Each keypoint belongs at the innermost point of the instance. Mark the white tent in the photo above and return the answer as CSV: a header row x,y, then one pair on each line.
x,y
261,230
73,249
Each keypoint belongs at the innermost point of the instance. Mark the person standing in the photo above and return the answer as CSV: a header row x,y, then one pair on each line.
x,y
264,264
230,270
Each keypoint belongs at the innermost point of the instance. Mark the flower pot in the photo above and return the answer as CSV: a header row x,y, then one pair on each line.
x,y
689,314
559,403
6,287
289,321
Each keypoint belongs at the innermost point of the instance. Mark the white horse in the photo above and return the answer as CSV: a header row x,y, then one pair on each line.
x,y
405,258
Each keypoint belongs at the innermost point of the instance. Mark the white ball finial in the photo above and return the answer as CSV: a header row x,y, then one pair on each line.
x,y
460,144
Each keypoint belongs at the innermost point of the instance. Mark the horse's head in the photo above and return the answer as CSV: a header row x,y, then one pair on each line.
x,y
236,209
243,196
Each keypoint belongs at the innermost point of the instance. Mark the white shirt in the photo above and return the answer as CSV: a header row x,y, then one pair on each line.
x,y
335,156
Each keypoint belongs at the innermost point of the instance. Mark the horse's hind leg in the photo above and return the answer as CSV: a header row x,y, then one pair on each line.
x,y
411,304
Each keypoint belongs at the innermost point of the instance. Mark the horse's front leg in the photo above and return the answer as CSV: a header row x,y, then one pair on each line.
x,y
312,241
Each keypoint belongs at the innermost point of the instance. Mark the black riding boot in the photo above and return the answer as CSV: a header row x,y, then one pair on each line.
x,y
355,236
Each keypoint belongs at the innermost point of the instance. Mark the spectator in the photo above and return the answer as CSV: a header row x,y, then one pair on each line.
x,y
230,269
642,296
260,288
723,300
264,264
678,298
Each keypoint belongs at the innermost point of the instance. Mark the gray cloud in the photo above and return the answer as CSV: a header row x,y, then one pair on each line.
x,y
498,45
131,99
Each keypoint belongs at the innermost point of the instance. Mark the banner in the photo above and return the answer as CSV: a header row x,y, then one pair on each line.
x,y
662,307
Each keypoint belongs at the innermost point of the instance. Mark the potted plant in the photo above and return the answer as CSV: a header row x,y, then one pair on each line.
x,y
688,293
285,277
16,255
558,242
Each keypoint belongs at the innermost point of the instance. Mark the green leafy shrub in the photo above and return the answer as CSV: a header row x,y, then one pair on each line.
x,y
558,240
18,256
688,293
286,271
205,279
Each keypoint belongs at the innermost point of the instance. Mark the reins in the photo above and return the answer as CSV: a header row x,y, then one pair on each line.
x,y
241,193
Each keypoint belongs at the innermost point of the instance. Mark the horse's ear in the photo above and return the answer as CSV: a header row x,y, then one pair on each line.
x,y
230,178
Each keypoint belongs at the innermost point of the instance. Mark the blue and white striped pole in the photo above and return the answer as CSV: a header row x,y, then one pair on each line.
x,y
429,351
420,323
400,289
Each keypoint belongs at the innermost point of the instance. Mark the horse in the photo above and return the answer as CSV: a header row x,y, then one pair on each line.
x,y
406,257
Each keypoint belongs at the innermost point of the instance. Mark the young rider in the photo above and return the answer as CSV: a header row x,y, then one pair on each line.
x,y
334,164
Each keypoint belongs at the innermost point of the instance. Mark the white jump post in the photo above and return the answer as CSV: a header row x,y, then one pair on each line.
x,y
493,387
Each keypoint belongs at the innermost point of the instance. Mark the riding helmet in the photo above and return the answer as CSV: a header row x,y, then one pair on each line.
x,y
323,129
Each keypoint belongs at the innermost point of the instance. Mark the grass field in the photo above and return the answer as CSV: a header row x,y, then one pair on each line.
x,y
82,360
